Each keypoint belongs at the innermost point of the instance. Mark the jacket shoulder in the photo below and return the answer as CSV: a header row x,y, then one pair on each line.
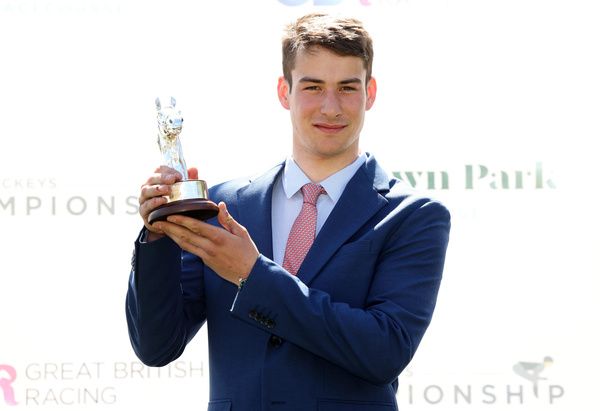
x,y
227,191
403,195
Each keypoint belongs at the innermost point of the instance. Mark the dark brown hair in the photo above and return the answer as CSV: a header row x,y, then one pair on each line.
x,y
343,36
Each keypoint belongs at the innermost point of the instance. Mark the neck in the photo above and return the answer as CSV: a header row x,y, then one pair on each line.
x,y
319,168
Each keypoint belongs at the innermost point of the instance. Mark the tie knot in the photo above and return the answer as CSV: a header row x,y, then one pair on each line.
x,y
311,192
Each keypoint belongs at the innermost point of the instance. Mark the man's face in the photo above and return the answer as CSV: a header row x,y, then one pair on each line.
x,y
327,103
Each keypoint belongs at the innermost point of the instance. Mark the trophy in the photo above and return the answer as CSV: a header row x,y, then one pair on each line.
x,y
188,197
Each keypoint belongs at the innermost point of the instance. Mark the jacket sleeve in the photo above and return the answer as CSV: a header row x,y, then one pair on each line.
x,y
164,305
378,340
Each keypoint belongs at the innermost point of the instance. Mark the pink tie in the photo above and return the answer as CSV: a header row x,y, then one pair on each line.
x,y
303,231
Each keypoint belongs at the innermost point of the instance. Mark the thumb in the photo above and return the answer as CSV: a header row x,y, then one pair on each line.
x,y
193,173
227,221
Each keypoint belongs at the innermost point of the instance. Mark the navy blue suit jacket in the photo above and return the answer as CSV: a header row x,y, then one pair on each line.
x,y
334,337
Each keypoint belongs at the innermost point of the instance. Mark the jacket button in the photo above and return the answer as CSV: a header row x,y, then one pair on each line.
x,y
275,341
253,314
269,323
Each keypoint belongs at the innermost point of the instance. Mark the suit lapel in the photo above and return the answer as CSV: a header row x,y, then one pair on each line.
x,y
254,211
361,199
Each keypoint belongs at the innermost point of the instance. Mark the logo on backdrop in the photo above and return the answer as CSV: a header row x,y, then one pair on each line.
x,y
44,196
6,383
70,7
481,177
493,389
531,371
84,383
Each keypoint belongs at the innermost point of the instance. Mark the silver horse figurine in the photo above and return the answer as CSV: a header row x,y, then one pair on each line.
x,y
187,197
170,123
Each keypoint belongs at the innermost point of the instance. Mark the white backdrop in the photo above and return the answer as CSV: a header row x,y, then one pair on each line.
x,y
490,105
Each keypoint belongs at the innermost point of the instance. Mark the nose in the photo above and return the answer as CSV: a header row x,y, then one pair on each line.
x,y
176,123
330,105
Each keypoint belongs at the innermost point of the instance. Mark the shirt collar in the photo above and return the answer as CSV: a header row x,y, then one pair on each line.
x,y
294,178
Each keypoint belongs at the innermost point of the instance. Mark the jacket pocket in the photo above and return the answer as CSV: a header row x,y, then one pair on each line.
x,y
219,405
337,405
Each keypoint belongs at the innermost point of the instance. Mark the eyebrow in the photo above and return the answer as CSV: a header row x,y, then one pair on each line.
x,y
352,80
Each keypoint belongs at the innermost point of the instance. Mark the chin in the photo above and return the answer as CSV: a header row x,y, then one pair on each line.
x,y
332,152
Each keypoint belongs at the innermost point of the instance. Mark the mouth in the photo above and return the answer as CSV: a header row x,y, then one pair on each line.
x,y
329,128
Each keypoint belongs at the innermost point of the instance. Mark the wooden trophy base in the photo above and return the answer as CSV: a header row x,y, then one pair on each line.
x,y
198,208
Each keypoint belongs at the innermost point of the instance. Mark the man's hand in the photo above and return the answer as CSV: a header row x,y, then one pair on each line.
x,y
228,251
153,194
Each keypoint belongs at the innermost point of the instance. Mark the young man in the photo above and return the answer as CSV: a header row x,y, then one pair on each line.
x,y
295,324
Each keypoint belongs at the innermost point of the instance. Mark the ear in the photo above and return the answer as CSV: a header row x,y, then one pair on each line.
x,y
371,92
157,103
283,91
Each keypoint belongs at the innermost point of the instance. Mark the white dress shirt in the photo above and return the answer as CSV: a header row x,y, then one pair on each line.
x,y
287,199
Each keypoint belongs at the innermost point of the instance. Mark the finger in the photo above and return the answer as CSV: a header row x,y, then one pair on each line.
x,y
224,218
193,173
228,222
164,175
149,205
210,232
186,239
150,191
173,232
167,171
159,184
